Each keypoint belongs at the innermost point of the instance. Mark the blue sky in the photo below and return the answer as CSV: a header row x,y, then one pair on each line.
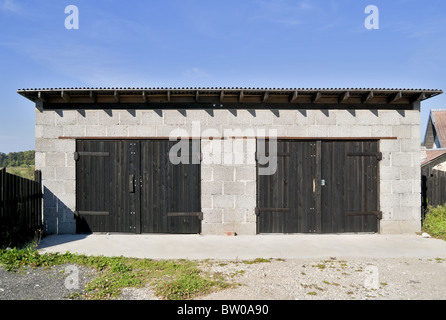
x,y
263,43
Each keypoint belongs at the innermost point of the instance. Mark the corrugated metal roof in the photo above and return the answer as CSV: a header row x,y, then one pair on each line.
x,y
213,96
234,88
432,155
439,121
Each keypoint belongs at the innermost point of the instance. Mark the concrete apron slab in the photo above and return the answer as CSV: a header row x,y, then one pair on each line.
x,y
197,247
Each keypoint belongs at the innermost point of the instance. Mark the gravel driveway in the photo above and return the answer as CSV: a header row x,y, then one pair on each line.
x,y
328,279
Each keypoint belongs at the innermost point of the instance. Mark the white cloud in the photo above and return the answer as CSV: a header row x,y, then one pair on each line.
x,y
9,5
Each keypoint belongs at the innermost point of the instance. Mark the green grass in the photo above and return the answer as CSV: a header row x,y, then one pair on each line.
x,y
435,222
258,260
22,171
171,279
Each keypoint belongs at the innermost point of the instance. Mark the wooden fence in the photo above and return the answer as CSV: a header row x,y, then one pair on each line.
x,y
20,208
433,189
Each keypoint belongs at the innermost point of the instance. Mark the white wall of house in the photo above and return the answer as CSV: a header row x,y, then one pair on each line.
x,y
229,187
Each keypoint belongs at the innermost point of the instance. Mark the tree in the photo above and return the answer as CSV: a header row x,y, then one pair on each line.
x,y
15,159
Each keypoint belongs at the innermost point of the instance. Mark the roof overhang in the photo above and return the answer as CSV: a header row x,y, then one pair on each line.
x,y
314,98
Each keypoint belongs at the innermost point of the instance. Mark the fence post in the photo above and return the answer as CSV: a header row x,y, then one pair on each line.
x,y
39,199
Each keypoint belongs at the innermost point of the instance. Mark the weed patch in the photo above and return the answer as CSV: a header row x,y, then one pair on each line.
x,y
172,279
435,222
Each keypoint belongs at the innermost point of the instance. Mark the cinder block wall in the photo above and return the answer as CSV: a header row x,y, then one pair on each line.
x,y
229,187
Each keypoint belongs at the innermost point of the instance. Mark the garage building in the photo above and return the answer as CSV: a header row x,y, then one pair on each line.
x,y
219,160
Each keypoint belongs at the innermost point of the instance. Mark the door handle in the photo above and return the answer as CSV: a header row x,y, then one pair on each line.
x,y
132,183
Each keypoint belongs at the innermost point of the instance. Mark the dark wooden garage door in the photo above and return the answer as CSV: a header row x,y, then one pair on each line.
x,y
131,186
320,187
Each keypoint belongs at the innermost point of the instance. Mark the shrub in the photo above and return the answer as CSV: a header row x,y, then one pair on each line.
x,y
435,222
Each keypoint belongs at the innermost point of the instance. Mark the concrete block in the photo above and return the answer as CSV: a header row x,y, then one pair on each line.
x,y
130,117
385,187
390,200
325,117
70,186
196,117
213,228
262,117
46,118
217,118
386,160
411,199
55,160
410,173
410,145
223,201
401,159
65,145
50,225
65,117
49,132
108,117
44,145
233,215
250,216
389,117
400,227
212,216
245,173
360,131
95,131
222,173
250,187
87,117
284,117
402,132
297,131
246,229
389,173
305,117
146,131
402,213
48,173
245,201
206,172
73,131
402,186
39,159
167,131
366,117
345,118
411,117
117,131
67,228
390,145
152,117
173,117
319,131
65,173
206,202
416,133
381,131
233,187
52,188
238,118
338,131
211,187
66,202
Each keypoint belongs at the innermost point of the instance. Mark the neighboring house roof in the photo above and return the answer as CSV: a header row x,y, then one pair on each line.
x,y
436,130
432,155
219,97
